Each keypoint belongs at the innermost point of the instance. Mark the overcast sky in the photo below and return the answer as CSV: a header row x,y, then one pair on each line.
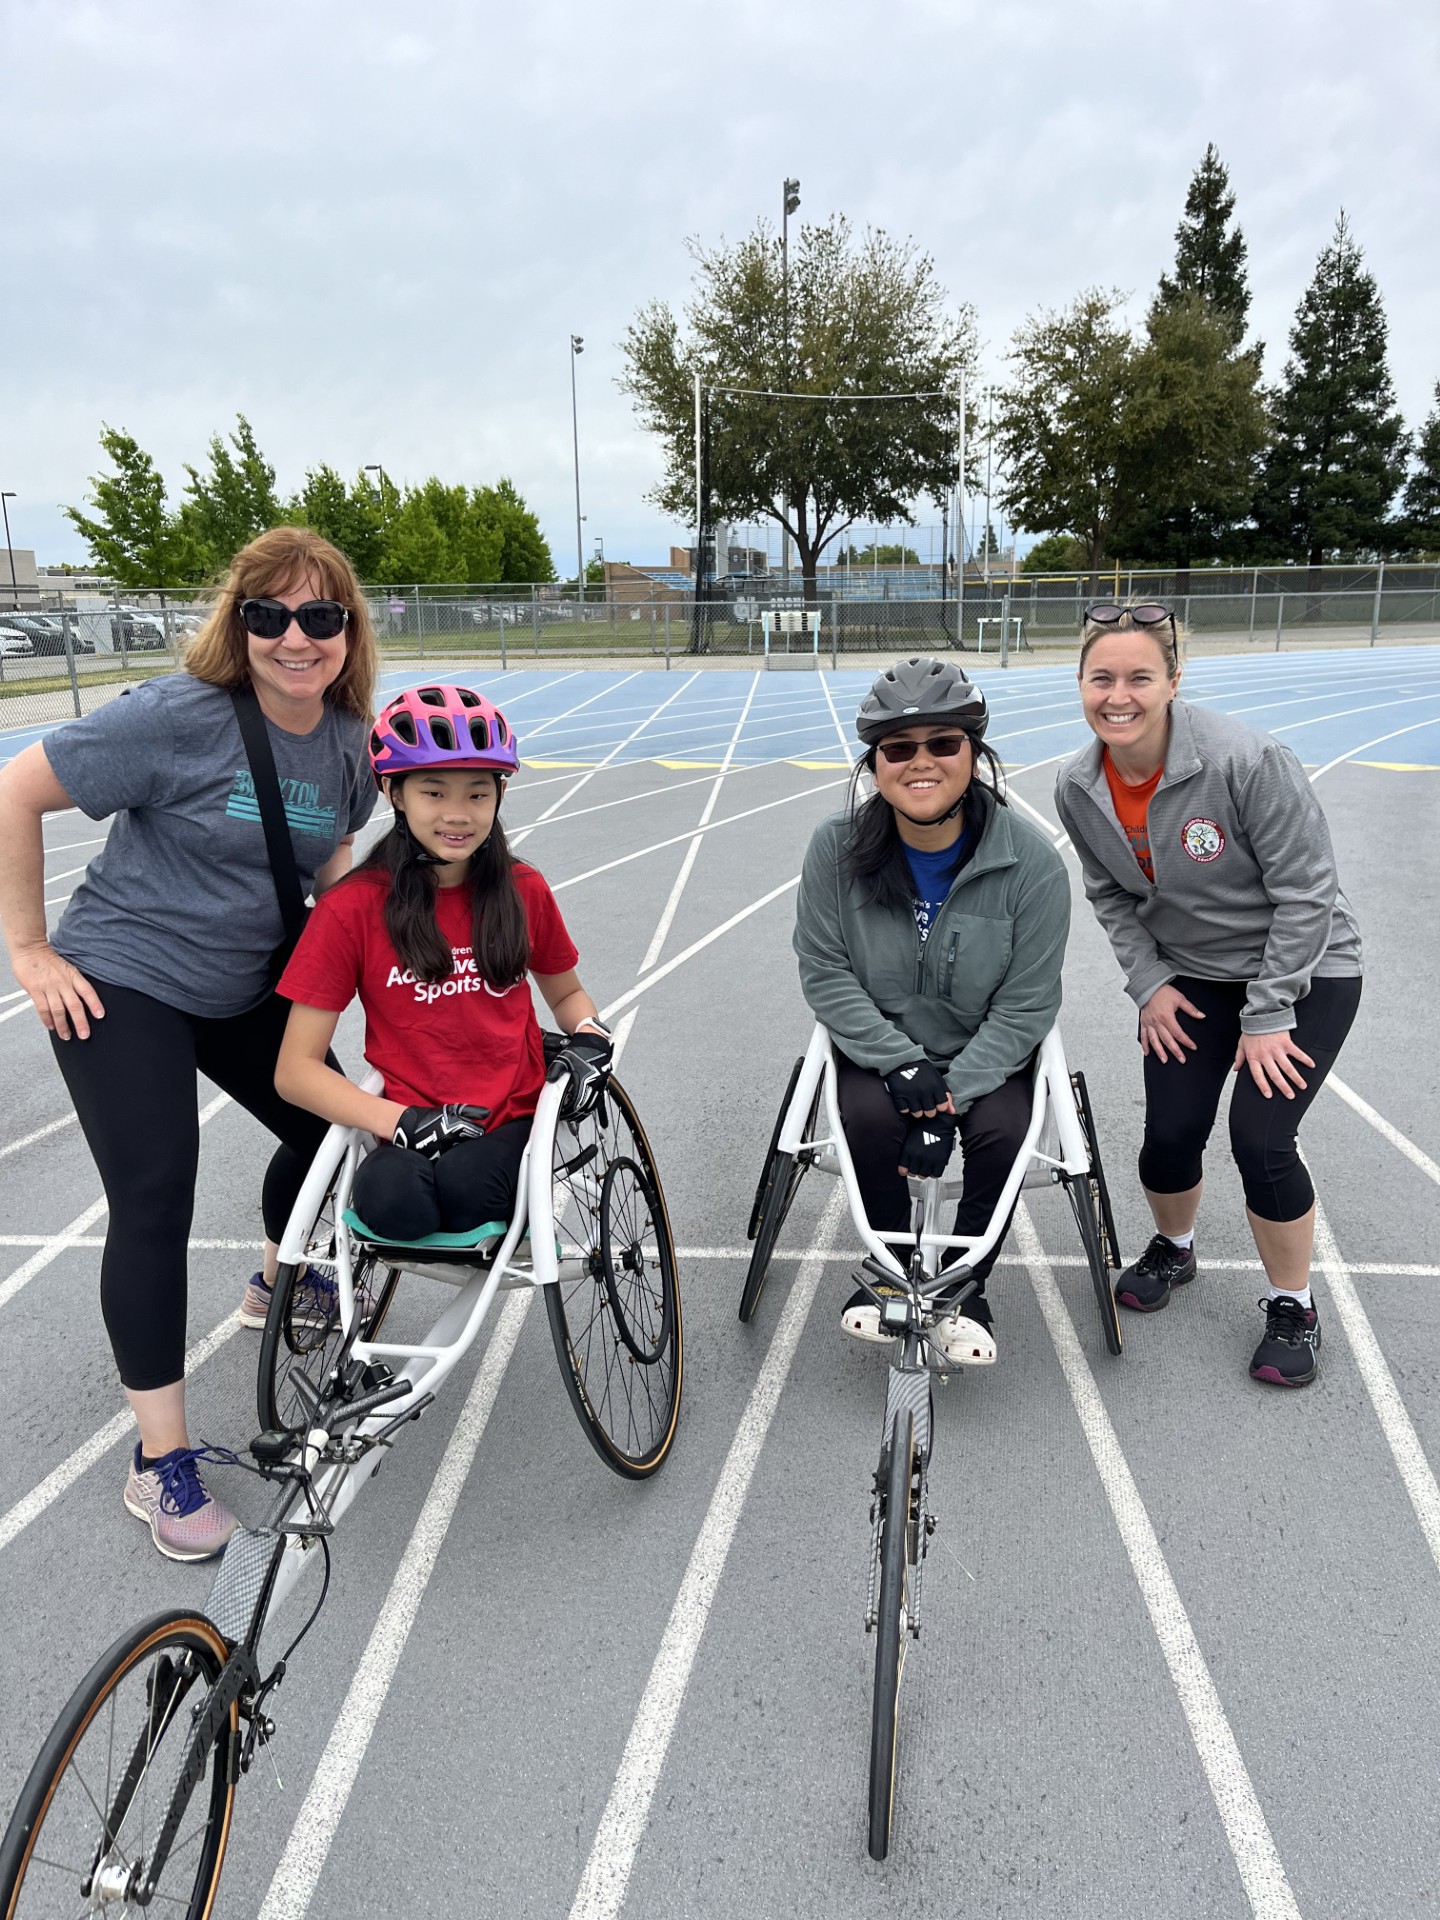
x,y
372,228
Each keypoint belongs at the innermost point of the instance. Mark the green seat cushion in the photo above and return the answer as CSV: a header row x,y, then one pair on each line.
x,y
431,1242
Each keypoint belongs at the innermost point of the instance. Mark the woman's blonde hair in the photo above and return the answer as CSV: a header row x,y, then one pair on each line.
x,y
272,563
1170,636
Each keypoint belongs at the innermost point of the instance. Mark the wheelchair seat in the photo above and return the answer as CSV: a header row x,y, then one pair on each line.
x,y
482,1241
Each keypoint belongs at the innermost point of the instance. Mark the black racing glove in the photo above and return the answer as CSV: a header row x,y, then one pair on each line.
x,y
434,1130
586,1058
928,1145
916,1087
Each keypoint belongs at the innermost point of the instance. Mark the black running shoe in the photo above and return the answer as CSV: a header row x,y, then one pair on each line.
x,y
1146,1285
1289,1355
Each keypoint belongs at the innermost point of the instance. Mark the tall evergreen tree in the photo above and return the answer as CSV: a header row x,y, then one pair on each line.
x,y
1338,456
132,534
1209,256
1422,493
233,500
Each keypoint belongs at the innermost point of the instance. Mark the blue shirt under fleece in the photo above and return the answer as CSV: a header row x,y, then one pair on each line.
x,y
934,875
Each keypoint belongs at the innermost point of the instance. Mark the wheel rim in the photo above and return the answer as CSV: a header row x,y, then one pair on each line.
x,y
310,1339
122,1767
617,1326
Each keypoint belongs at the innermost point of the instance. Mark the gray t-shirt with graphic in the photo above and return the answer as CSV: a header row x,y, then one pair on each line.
x,y
180,902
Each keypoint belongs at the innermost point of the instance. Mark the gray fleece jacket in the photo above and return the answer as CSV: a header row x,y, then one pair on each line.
x,y
981,993
1245,882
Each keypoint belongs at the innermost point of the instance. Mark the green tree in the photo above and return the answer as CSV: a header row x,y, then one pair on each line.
x,y
881,556
1056,553
232,500
417,544
1338,456
132,534
524,552
1057,424
1193,430
1209,257
866,317
1422,492
350,516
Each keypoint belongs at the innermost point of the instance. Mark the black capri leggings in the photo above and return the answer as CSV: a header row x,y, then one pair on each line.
x,y
1182,1099
407,1195
991,1132
134,1087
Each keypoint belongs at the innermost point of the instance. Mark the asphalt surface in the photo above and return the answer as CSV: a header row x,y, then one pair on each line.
x,y
1077,1736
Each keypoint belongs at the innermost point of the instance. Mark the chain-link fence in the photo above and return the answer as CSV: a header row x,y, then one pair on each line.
x,y
70,652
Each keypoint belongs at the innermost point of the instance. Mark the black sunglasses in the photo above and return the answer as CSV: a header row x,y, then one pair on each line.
x,y
1109,613
316,619
943,746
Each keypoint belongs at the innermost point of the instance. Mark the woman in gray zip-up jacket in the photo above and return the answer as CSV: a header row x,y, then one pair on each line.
x,y
1208,863
930,931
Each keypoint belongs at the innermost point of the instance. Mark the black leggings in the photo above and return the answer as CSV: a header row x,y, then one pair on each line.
x,y
1182,1098
406,1195
133,1083
991,1133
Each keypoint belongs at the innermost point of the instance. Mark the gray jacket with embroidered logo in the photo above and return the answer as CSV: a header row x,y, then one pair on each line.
x,y
981,993
1245,882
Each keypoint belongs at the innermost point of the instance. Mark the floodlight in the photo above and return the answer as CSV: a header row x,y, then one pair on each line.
x,y
792,195
577,343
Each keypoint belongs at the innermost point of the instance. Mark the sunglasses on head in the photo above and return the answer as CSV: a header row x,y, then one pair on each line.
x,y
316,619
943,746
1109,613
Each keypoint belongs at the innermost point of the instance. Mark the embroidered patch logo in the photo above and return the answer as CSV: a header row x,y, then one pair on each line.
x,y
1203,840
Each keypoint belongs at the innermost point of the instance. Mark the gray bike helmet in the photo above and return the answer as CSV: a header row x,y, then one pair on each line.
x,y
930,691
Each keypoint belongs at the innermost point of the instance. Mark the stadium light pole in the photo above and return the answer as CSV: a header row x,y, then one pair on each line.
x,y
9,550
789,203
577,347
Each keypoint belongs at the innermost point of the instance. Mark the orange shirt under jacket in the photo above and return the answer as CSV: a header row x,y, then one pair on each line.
x,y
1132,810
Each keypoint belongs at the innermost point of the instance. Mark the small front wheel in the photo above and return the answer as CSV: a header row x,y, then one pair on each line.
x,y
107,1784
892,1627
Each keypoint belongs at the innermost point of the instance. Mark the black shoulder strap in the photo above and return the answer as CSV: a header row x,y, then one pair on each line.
x,y
278,844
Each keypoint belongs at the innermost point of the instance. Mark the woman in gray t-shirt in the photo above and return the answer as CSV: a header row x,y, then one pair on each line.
x,y
162,966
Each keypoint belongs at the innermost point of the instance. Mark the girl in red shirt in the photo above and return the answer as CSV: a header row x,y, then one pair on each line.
x,y
435,932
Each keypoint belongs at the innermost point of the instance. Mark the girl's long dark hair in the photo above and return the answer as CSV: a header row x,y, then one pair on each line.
x,y
500,934
874,851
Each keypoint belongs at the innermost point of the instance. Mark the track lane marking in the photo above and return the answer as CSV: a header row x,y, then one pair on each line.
x,y
606,1875
1251,1844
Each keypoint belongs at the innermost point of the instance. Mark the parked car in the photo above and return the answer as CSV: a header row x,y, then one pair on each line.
x,y
47,632
136,632
14,644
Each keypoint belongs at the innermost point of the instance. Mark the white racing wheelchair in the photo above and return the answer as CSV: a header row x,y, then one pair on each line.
x,y
136,1783
1059,1149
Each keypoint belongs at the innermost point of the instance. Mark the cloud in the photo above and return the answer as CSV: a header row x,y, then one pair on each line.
x,y
375,236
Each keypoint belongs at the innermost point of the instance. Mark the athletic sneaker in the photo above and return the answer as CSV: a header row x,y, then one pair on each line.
x,y
967,1337
1289,1355
186,1522
312,1306
1146,1285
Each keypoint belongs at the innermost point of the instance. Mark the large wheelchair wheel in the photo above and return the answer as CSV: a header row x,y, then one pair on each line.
x,y
1090,1198
616,1326
898,1531
780,1179
302,1328
85,1827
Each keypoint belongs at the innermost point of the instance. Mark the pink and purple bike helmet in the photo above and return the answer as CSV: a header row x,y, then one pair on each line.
x,y
436,728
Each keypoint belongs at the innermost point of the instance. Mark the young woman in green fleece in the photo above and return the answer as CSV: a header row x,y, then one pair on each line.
x,y
930,931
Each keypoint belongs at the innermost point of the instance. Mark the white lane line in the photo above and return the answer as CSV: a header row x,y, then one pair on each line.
x,y
1383,1127
1395,1422
40,1133
68,874
672,905
52,1248
19,994
1261,1872
298,1873
34,1503
27,1005
618,748
1378,741
658,846
646,793
696,946
579,707
847,745
601,1892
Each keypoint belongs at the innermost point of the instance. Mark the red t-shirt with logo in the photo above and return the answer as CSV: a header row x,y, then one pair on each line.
x,y
433,1042
1132,810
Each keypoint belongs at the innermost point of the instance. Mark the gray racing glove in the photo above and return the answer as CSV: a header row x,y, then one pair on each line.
x,y
434,1130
